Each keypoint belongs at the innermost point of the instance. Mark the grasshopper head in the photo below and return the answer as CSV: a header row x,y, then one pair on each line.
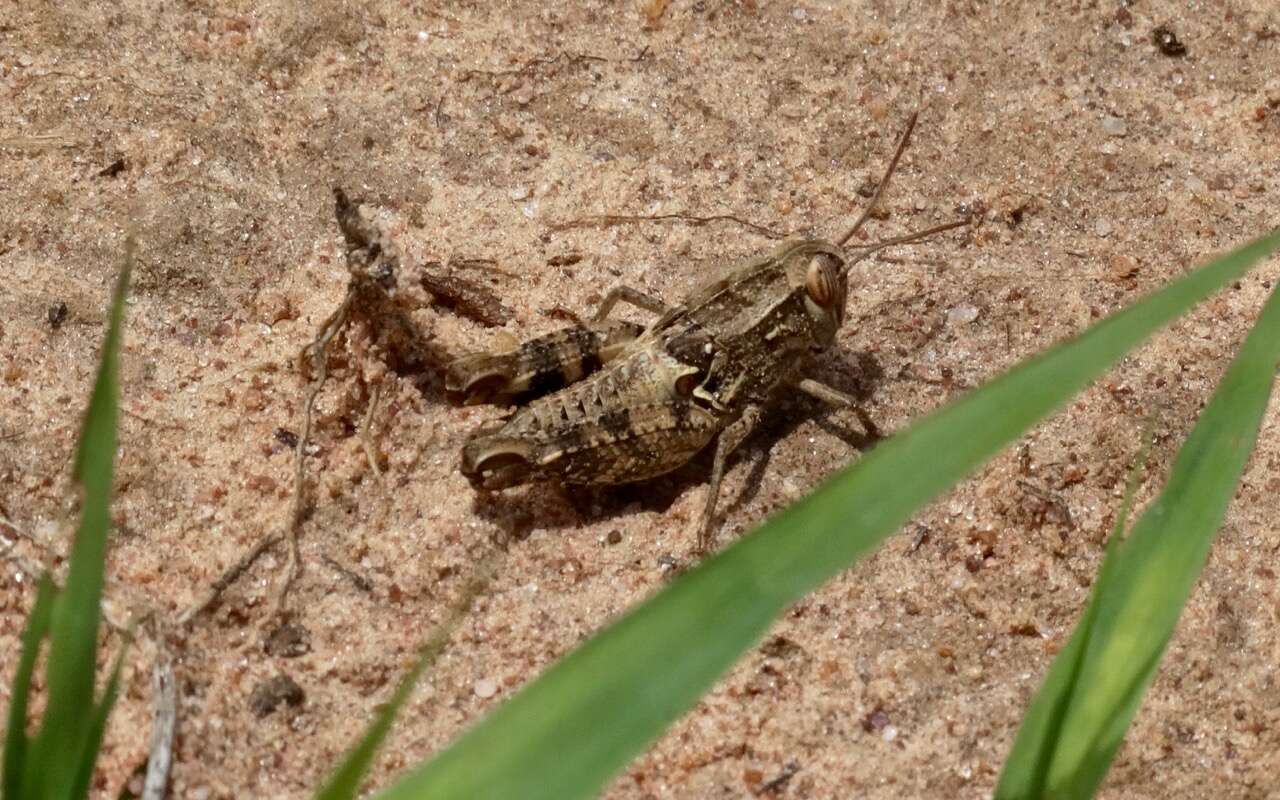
x,y
817,270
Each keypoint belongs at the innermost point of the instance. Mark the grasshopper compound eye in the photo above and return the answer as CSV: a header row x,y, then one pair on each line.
x,y
821,281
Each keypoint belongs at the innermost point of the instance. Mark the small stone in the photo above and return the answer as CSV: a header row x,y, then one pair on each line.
x,y
268,695
287,641
57,314
1222,182
1195,185
614,537
875,721
274,306
1102,227
519,193
507,127
1114,126
253,400
799,14
781,647
1272,92
1123,267
1166,41
962,315
486,688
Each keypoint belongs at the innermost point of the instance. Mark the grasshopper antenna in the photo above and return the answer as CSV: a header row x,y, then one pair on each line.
x,y
884,182
876,247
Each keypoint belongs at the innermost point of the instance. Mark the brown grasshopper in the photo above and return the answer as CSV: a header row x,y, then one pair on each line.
x,y
612,402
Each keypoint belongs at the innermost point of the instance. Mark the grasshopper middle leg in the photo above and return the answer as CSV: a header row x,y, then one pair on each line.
x,y
728,441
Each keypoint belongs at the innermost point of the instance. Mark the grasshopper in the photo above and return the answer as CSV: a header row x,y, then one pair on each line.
x,y
608,402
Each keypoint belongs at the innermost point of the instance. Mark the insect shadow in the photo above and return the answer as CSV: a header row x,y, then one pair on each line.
x,y
548,506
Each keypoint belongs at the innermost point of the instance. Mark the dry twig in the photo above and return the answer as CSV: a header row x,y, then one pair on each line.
x,y
160,758
609,220
366,433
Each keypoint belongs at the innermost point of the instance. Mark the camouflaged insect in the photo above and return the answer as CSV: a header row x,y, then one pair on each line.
x,y
609,402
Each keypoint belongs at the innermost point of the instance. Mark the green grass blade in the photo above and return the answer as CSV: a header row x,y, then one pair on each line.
x,y
16,739
565,734
97,726
345,782
1042,726
1142,588
55,751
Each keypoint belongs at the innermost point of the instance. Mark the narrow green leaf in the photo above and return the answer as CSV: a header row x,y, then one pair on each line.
x,y
16,739
72,662
1144,584
565,734
1042,725
97,725
345,781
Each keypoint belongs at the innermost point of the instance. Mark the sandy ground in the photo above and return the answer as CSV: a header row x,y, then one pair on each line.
x,y
1102,167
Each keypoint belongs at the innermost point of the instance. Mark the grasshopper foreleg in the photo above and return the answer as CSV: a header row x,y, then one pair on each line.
x,y
635,297
832,397
838,399
728,441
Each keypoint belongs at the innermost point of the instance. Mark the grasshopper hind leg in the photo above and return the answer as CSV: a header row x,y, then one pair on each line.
x,y
538,366
549,362
632,296
728,441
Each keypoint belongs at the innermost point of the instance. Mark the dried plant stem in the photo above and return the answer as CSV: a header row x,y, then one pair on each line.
x,y
317,353
160,758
